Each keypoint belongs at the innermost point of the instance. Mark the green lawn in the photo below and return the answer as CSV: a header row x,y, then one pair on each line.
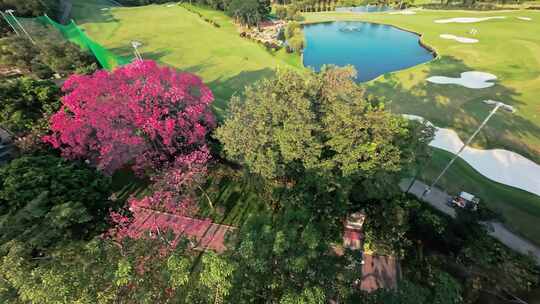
x,y
508,48
520,209
179,38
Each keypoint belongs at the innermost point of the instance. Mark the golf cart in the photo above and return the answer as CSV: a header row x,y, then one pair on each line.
x,y
464,200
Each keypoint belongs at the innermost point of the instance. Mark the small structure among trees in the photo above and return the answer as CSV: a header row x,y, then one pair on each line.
x,y
378,271
353,236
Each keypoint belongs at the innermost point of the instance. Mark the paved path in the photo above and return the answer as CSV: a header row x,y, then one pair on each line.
x,y
503,166
438,199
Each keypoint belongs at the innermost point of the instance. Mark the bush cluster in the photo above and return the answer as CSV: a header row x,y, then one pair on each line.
x,y
295,37
267,44
51,54
210,21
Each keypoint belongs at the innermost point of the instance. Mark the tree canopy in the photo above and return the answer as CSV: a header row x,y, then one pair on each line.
x,y
30,8
45,200
293,123
54,54
100,271
287,258
25,102
249,12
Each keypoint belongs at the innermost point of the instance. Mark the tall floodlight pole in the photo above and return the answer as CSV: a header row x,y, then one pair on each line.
x,y
10,12
497,105
8,22
136,45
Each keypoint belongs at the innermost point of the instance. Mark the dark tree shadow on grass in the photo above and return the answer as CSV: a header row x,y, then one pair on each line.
x,y
225,88
459,108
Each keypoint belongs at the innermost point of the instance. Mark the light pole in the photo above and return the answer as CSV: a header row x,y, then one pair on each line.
x,y
136,45
497,105
10,12
8,22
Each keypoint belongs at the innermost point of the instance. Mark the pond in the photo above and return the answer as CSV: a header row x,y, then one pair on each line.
x,y
373,49
365,9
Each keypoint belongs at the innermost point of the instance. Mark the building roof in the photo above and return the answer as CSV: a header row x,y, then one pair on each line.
x,y
379,271
355,221
208,235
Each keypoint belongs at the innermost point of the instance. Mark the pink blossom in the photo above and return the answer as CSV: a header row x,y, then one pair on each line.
x,y
147,116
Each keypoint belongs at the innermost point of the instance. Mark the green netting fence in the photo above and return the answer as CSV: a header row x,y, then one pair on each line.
x,y
73,33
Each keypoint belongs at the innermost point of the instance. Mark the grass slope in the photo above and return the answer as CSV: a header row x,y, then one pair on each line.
x,y
178,37
508,48
520,209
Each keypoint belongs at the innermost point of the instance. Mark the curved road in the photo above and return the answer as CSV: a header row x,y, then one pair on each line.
x,y
438,199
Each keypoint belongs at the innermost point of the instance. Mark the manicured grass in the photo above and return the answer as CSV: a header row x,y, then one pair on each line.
x,y
520,209
508,48
179,38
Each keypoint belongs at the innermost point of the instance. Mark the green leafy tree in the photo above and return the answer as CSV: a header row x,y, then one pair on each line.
x,y
294,123
100,271
287,258
54,54
45,200
26,102
249,12
78,272
18,52
386,226
30,8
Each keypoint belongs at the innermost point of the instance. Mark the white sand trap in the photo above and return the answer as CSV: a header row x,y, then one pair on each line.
x,y
499,165
524,18
471,80
467,19
403,13
105,8
458,39
171,5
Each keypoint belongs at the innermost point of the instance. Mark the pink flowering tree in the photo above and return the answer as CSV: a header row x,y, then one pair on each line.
x,y
149,117
174,196
152,118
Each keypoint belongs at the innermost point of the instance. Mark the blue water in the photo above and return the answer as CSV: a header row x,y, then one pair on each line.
x,y
364,9
373,49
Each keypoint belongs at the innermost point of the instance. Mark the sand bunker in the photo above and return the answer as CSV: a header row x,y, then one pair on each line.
x,y
471,80
105,8
467,19
499,165
459,39
525,18
403,13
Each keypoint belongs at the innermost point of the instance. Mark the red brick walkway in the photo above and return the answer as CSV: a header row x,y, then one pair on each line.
x,y
208,235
